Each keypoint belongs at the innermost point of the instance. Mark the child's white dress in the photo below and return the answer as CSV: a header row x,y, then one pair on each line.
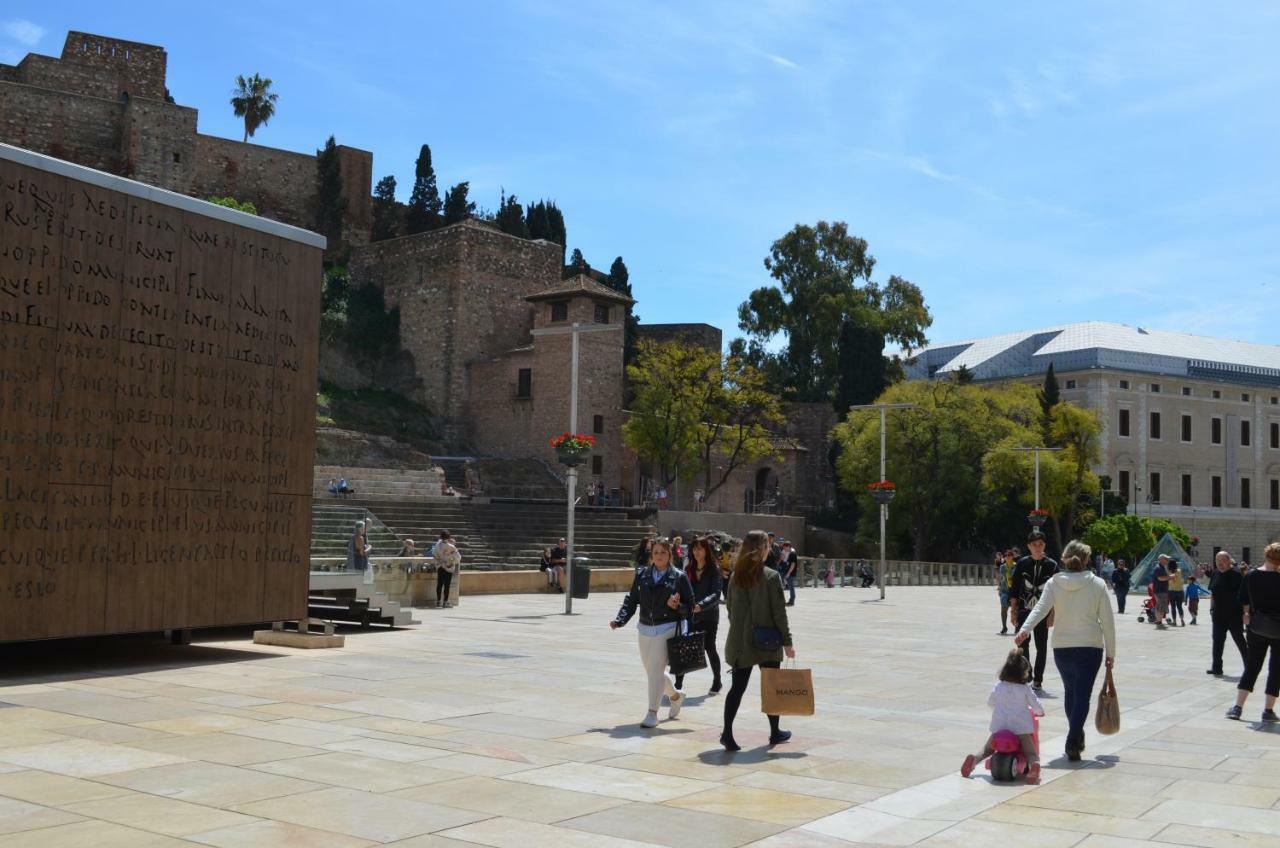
x,y
1011,707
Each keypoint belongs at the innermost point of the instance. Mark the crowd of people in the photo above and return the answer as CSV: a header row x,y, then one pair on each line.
x,y
1244,603
678,589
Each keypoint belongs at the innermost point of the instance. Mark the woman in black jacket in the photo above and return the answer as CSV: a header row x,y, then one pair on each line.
x,y
663,596
704,575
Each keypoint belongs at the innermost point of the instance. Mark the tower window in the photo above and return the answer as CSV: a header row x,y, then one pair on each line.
x,y
597,424
559,310
524,383
601,314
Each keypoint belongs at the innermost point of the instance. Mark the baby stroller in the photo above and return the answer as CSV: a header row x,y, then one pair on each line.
x,y
1148,612
1008,762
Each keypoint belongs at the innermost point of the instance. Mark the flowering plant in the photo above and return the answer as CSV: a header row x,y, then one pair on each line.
x,y
882,486
1042,513
1195,540
573,442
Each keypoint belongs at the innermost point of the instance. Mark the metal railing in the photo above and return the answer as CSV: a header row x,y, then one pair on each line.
x,y
813,571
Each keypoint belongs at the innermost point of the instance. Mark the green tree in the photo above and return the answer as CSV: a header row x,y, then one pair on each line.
x,y
510,217
577,265
1131,536
254,101
669,381
386,214
620,281
963,375
932,451
546,222
1049,397
696,414
824,277
425,209
861,368
1066,478
331,204
456,205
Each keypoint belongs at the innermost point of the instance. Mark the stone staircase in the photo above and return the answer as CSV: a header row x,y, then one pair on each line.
x,y
511,535
382,483
347,598
333,521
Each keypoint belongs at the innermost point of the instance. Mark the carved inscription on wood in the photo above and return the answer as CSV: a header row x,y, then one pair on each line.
x,y
157,400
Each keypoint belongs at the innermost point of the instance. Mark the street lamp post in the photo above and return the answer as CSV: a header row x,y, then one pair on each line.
x,y
884,507
1037,452
571,482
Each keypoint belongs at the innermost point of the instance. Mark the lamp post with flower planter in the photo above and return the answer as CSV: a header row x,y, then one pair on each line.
x,y
886,489
571,478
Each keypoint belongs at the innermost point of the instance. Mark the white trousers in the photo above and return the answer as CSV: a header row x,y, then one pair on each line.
x,y
653,653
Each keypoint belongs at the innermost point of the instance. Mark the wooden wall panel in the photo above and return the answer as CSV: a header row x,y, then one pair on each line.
x,y
157,402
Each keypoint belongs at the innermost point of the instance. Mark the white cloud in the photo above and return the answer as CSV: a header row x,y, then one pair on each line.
x,y
781,61
22,31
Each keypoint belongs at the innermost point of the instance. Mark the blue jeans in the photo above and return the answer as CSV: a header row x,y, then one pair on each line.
x,y
791,587
1078,668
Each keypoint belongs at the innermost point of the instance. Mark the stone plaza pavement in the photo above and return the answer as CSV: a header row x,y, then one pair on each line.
x,y
504,723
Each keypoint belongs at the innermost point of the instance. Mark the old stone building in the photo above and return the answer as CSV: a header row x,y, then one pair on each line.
x,y
104,103
474,303
482,313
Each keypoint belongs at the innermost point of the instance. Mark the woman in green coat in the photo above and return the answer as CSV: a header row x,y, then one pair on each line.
x,y
757,613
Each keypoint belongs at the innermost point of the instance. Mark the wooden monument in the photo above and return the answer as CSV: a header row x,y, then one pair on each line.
x,y
157,407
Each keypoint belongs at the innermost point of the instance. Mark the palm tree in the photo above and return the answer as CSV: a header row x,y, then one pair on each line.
x,y
254,101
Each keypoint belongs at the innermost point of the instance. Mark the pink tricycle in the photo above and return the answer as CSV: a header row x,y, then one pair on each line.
x,y
1007,763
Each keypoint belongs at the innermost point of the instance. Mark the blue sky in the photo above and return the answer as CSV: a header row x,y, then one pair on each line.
x,y
1024,164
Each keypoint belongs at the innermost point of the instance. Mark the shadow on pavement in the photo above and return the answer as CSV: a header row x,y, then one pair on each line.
x,y
56,660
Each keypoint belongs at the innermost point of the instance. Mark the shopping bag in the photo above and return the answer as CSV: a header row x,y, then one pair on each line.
x,y
687,652
786,691
1107,719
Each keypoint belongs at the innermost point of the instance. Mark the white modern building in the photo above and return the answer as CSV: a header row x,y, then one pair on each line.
x,y
1191,424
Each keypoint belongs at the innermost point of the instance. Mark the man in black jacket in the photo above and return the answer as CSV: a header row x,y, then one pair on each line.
x,y
1030,575
1225,609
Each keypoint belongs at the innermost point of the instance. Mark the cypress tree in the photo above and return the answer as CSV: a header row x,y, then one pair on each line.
x,y
555,225
424,211
456,205
620,281
510,218
535,221
577,265
386,223
619,277
1049,398
331,206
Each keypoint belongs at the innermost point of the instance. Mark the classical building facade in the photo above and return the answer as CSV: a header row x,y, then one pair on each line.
x,y
105,103
1191,424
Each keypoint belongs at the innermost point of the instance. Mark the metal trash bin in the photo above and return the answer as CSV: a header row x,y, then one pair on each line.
x,y
581,579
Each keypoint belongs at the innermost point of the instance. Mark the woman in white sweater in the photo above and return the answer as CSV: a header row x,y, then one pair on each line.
x,y
1083,629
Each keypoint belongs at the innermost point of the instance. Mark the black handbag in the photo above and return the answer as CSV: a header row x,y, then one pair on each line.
x,y
687,652
766,638
1265,624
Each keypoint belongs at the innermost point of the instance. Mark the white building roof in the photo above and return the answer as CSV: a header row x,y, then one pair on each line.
x,y
1101,344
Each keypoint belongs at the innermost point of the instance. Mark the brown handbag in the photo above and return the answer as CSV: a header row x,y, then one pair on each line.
x,y
1107,719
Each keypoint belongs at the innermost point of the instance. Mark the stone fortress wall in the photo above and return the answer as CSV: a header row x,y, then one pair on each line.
x,y
104,104
461,290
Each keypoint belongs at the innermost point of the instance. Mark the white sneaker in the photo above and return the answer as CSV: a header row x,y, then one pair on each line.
x,y
677,701
650,720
